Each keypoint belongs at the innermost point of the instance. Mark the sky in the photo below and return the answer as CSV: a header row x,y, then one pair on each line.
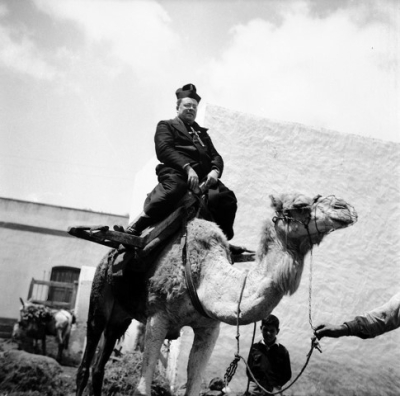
x,y
84,83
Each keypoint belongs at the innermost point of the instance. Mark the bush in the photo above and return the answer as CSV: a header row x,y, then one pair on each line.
x,y
23,372
122,375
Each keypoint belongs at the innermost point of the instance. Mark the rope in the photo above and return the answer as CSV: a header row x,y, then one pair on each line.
x,y
314,344
231,370
310,293
248,357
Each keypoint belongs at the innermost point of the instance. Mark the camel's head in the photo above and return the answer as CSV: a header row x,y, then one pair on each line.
x,y
300,216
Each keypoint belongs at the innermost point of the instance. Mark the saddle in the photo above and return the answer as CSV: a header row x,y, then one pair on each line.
x,y
142,249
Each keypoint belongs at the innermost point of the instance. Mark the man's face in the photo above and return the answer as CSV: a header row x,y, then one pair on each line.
x,y
269,333
187,110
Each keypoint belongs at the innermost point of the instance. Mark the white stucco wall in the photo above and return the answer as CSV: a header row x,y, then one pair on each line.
x,y
355,269
27,254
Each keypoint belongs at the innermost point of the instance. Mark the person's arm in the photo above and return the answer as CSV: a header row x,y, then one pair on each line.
x,y
378,321
286,370
281,371
193,178
217,162
165,147
330,330
374,323
250,362
256,364
212,178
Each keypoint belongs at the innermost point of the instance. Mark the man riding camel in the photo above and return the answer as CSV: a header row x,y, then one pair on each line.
x,y
188,158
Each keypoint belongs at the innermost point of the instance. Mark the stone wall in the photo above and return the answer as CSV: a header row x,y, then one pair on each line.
x,y
354,270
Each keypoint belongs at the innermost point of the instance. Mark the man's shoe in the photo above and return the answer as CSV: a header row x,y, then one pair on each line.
x,y
137,227
131,230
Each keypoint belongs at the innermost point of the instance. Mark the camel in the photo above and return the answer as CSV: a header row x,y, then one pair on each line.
x,y
160,299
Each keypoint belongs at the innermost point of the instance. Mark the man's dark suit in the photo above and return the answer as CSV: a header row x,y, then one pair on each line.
x,y
175,148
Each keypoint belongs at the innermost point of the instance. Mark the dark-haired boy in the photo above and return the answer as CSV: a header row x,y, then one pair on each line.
x,y
269,361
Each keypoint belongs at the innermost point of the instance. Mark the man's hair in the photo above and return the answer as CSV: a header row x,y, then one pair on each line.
x,y
271,320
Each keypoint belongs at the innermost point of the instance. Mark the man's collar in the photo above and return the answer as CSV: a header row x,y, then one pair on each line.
x,y
269,346
180,125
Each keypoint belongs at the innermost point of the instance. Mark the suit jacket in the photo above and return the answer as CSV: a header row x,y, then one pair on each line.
x,y
175,148
270,366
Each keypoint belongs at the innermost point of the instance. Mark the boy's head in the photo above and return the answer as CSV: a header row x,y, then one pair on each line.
x,y
270,320
270,329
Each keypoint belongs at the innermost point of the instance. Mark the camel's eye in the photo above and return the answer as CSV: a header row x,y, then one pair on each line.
x,y
301,207
339,205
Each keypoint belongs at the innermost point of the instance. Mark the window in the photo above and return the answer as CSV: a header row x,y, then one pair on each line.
x,y
60,293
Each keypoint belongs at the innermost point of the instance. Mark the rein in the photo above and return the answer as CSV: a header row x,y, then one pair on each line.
x,y
305,224
231,370
202,211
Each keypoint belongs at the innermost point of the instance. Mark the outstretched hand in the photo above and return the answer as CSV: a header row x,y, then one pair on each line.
x,y
329,330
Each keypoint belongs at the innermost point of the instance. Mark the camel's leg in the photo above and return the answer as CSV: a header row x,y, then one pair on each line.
x,y
203,345
95,327
60,343
156,330
44,345
111,334
66,338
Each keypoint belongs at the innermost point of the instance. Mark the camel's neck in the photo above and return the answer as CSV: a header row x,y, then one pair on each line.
x,y
277,272
281,258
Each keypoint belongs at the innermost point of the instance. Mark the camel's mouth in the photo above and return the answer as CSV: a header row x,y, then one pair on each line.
x,y
341,223
346,218
339,212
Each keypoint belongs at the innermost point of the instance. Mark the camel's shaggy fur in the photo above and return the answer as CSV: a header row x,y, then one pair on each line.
x,y
168,282
288,266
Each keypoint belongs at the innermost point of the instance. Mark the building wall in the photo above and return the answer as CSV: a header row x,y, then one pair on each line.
x,y
34,239
354,269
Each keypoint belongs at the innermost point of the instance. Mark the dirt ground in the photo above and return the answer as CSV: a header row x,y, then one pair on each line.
x,y
23,373
32,374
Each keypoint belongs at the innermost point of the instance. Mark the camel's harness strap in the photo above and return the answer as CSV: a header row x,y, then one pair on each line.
x,y
230,372
194,298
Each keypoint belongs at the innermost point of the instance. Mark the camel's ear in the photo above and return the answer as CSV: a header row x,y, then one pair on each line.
x,y
276,203
302,202
22,302
316,198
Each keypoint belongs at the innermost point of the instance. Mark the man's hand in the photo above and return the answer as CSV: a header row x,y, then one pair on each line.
x,y
329,330
276,389
212,179
193,179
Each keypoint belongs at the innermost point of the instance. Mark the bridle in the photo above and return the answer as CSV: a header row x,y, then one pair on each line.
x,y
282,215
